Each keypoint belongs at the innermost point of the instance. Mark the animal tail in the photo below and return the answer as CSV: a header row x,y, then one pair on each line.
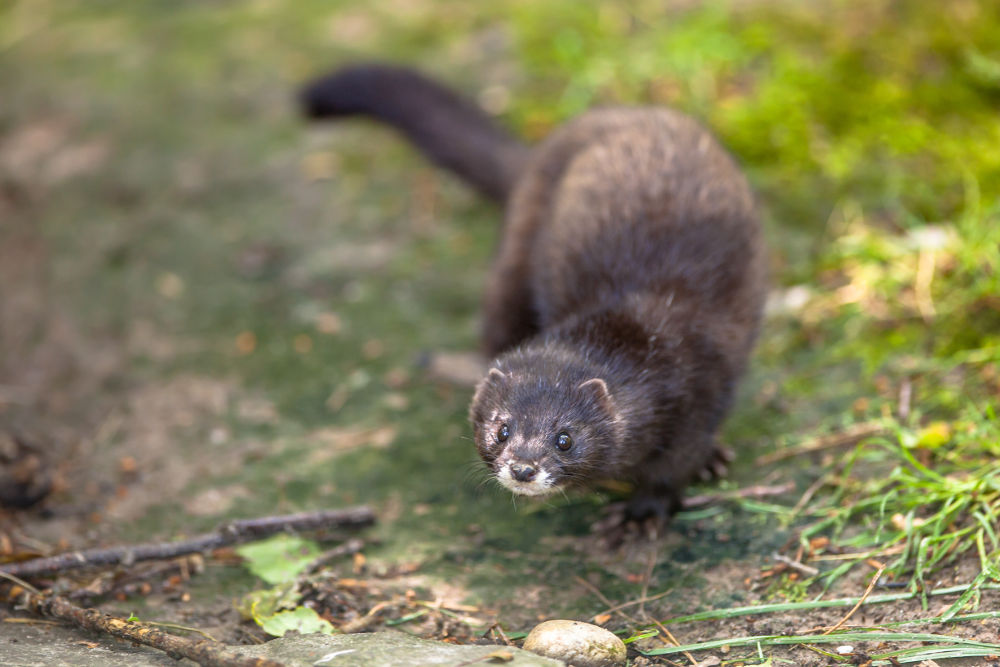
x,y
450,130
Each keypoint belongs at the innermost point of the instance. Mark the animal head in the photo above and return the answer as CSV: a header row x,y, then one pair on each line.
x,y
540,432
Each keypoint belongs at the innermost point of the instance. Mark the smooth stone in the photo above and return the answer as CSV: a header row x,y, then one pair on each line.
x,y
576,643
386,649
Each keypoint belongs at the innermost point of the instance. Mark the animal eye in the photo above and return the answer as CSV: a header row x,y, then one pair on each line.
x,y
563,441
503,433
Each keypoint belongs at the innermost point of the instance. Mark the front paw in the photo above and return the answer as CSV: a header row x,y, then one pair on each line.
x,y
657,509
643,517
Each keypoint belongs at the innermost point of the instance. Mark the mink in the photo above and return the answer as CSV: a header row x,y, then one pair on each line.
x,y
626,294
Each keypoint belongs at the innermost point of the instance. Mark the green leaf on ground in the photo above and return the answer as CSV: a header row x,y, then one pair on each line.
x,y
279,559
301,619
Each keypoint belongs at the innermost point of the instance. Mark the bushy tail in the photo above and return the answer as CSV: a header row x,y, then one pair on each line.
x,y
451,131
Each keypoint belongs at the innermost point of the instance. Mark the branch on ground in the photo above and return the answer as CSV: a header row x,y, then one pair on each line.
x,y
692,502
203,651
227,534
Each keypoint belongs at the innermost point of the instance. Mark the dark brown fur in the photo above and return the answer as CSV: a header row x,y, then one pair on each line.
x,y
626,294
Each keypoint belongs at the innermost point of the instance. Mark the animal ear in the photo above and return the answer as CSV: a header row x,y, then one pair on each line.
x,y
495,379
597,389
495,375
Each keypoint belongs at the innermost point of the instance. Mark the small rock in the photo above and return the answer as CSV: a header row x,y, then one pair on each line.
x,y
576,643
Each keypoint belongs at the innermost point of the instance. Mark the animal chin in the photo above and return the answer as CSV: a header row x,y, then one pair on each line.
x,y
541,485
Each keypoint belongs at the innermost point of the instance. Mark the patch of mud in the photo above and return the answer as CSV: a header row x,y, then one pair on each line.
x,y
161,431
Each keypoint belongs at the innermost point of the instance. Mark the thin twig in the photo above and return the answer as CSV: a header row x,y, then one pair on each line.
x,y
634,602
233,532
809,493
32,621
849,436
503,637
364,622
891,550
182,628
795,565
593,589
20,582
868,591
348,548
670,635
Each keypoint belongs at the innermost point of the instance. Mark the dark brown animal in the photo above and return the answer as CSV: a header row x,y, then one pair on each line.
x,y
626,295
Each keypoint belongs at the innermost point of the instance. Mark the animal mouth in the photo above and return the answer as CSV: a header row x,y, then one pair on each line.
x,y
541,484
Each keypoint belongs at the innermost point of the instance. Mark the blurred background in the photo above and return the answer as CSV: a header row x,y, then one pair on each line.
x,y
209,308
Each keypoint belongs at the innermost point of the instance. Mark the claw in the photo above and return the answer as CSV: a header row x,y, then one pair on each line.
x,y
717,465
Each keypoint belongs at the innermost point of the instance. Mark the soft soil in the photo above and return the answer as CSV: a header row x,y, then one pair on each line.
x,y
209,310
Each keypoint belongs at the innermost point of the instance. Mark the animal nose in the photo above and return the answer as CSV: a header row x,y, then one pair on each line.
x,y
522,472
